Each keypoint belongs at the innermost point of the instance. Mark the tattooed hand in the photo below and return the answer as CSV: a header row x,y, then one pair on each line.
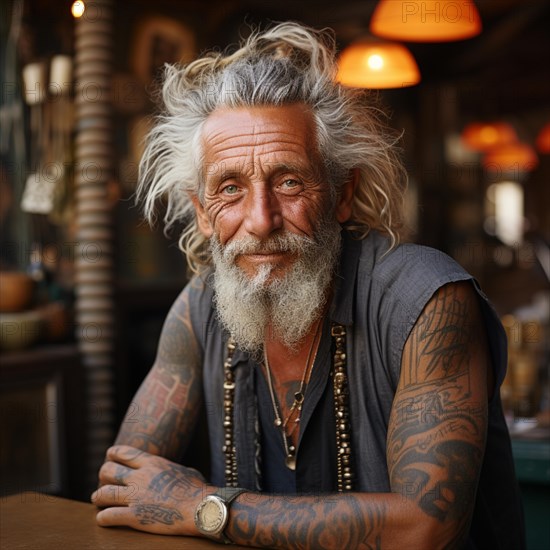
x,y
148,492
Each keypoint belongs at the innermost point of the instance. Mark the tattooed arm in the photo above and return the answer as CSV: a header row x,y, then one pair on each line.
x,y
162,415
435,447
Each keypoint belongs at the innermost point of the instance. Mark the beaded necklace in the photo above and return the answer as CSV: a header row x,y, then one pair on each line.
x,y
341,413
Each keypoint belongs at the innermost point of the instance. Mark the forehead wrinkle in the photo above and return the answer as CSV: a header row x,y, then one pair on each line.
x,y
253,156
269,167
253,134
258,122
248,141
258,149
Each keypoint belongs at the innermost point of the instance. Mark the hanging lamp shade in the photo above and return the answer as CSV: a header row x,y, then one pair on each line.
x,y
543,140
512,158
484,136
376,64
426,21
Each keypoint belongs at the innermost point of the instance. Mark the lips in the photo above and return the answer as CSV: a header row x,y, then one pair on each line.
x,y
261,257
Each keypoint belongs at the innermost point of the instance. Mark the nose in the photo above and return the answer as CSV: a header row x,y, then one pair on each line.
x,y
263,214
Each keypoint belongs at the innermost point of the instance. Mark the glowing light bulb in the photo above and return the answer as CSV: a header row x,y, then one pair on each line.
x,y
375,62
77,9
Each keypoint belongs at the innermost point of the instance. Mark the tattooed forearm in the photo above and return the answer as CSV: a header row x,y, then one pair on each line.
x,y
324,522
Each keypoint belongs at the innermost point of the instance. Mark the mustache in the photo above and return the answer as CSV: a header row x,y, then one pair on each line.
x,y
281,243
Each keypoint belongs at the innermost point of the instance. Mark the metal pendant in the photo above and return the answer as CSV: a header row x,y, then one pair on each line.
x,y
290,462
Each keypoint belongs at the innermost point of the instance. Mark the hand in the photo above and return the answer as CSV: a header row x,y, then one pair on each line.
x,y
148,492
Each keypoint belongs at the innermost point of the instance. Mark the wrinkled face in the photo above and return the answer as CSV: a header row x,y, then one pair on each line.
x,y
263,177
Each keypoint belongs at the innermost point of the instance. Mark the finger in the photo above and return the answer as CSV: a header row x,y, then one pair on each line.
x,y
130,456
152,518
112,473
114,516
115,495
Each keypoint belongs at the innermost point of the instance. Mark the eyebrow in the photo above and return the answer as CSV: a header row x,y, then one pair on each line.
x,y
309,172
226,175
280,167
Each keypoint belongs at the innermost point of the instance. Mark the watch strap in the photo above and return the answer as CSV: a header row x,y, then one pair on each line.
x,y
228,495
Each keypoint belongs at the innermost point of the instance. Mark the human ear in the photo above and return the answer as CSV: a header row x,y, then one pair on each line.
x,y
344,206
202,218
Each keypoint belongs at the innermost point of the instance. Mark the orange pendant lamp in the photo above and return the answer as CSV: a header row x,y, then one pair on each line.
x,y
515,157
426,21
484,136
377,65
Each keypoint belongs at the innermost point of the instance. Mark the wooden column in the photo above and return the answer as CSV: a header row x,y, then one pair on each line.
x,y
94,270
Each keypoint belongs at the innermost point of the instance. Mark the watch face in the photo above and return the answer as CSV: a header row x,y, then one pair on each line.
x,y
211,515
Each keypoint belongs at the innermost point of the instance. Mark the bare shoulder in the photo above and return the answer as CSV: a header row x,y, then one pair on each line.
x,y
178,342
448,336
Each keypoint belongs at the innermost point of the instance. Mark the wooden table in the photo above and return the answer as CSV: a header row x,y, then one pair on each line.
x,y
35,520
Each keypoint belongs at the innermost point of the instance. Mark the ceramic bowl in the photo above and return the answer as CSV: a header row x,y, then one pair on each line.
x,y
16,291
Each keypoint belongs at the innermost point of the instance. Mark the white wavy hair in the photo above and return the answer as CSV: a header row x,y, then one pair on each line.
x,y
287,64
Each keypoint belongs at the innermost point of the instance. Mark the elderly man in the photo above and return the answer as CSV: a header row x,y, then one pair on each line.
x,y
351,383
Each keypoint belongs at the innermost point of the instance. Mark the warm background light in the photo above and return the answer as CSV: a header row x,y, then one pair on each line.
x,y
507,197
516,157
415,21
77,9
484,136
368,64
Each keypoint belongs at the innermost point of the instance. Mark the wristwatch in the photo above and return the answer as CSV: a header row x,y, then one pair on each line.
x,y
212,513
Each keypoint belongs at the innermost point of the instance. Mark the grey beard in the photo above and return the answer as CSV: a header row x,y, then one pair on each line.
x,y
246,305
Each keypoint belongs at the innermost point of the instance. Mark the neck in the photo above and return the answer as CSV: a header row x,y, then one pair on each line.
x,y
288,363
287,372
